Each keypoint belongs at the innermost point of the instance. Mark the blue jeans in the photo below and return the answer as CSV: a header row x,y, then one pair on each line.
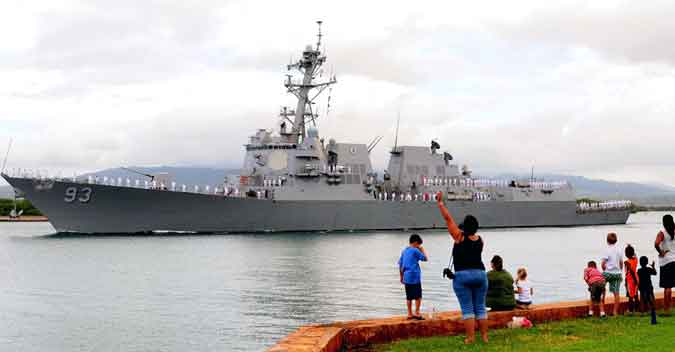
x,y
471,288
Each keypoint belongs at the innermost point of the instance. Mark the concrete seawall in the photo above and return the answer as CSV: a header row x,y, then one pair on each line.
x,y
343,336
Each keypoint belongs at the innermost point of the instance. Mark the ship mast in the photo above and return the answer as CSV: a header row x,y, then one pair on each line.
x,y
307,90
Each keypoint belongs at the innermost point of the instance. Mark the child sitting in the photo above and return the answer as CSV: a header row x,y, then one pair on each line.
x,y
524,290
645,274
596,287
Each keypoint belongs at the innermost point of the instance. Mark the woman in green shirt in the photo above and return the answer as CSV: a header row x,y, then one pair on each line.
x,y
500,287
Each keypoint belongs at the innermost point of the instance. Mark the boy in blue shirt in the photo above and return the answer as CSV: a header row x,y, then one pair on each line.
x,y
411,274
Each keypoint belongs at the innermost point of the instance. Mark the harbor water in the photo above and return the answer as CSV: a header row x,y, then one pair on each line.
x,y
244,292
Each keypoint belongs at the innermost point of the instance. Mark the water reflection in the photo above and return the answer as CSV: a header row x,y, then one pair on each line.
x,y
243,292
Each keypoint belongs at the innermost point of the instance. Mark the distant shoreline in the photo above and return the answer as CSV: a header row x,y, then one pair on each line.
x,y
639,208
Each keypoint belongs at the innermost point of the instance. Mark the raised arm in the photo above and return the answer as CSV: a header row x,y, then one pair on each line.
x,y
425,256
453,229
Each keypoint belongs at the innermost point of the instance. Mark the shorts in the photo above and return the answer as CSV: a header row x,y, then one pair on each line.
x,y
667,276
521,303
470,286
597,289
413,291
614,281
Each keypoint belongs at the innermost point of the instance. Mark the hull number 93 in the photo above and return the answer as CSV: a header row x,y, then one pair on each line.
x,y
83,195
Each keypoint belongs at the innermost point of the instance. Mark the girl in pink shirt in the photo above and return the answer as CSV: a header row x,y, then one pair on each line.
x,y
596,287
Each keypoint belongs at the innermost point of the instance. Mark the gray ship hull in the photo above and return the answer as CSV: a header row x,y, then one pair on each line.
x,y
113,209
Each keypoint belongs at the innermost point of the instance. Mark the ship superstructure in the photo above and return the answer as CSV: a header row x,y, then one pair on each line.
x,y
295,180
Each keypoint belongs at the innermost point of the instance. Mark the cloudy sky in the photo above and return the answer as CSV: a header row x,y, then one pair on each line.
x,y
577,87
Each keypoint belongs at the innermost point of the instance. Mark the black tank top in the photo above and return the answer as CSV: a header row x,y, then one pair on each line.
x,y
467,254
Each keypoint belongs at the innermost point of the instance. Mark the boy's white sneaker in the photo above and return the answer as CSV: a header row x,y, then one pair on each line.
x,y
602,314
590,313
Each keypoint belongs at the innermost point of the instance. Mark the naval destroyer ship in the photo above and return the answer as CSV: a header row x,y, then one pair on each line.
x,y
295,180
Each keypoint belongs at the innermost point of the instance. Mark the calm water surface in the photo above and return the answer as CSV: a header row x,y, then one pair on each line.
x,y
244,292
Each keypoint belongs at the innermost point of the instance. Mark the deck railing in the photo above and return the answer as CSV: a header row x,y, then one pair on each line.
x,y
584,207
221,190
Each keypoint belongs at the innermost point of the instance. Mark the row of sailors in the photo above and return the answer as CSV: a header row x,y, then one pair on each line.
x,y
448,181
454,181
225,190
612,204
42,175
425,197
274,182
549,185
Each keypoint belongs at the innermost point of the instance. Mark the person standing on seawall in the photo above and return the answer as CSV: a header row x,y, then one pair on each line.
x,y
632,280
665,245
411,274
470,282
612,266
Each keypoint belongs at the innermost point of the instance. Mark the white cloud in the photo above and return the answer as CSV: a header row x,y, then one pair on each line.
x,y
570,87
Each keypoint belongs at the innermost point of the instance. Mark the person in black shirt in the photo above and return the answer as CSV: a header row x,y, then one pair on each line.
x,y
470,282
645,274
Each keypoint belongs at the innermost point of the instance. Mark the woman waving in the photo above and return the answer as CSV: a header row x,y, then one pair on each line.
x,y
470,283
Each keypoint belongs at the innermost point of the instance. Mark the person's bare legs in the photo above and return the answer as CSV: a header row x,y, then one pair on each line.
x,y
630,305
409,304
470,329
616,304
418,303
483,328
590,307
667,300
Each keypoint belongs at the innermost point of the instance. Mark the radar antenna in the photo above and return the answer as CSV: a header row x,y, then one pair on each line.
x,y
319,35
374,143
4,162
151,177
330,94
398,121
307,89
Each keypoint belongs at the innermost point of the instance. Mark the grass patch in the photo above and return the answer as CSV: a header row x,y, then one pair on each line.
x,y
591,334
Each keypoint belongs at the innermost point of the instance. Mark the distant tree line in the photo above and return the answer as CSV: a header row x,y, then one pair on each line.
x,y
6,206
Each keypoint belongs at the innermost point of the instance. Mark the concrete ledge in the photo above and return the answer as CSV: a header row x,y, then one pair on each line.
x,y
341,336
312,338
24,218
